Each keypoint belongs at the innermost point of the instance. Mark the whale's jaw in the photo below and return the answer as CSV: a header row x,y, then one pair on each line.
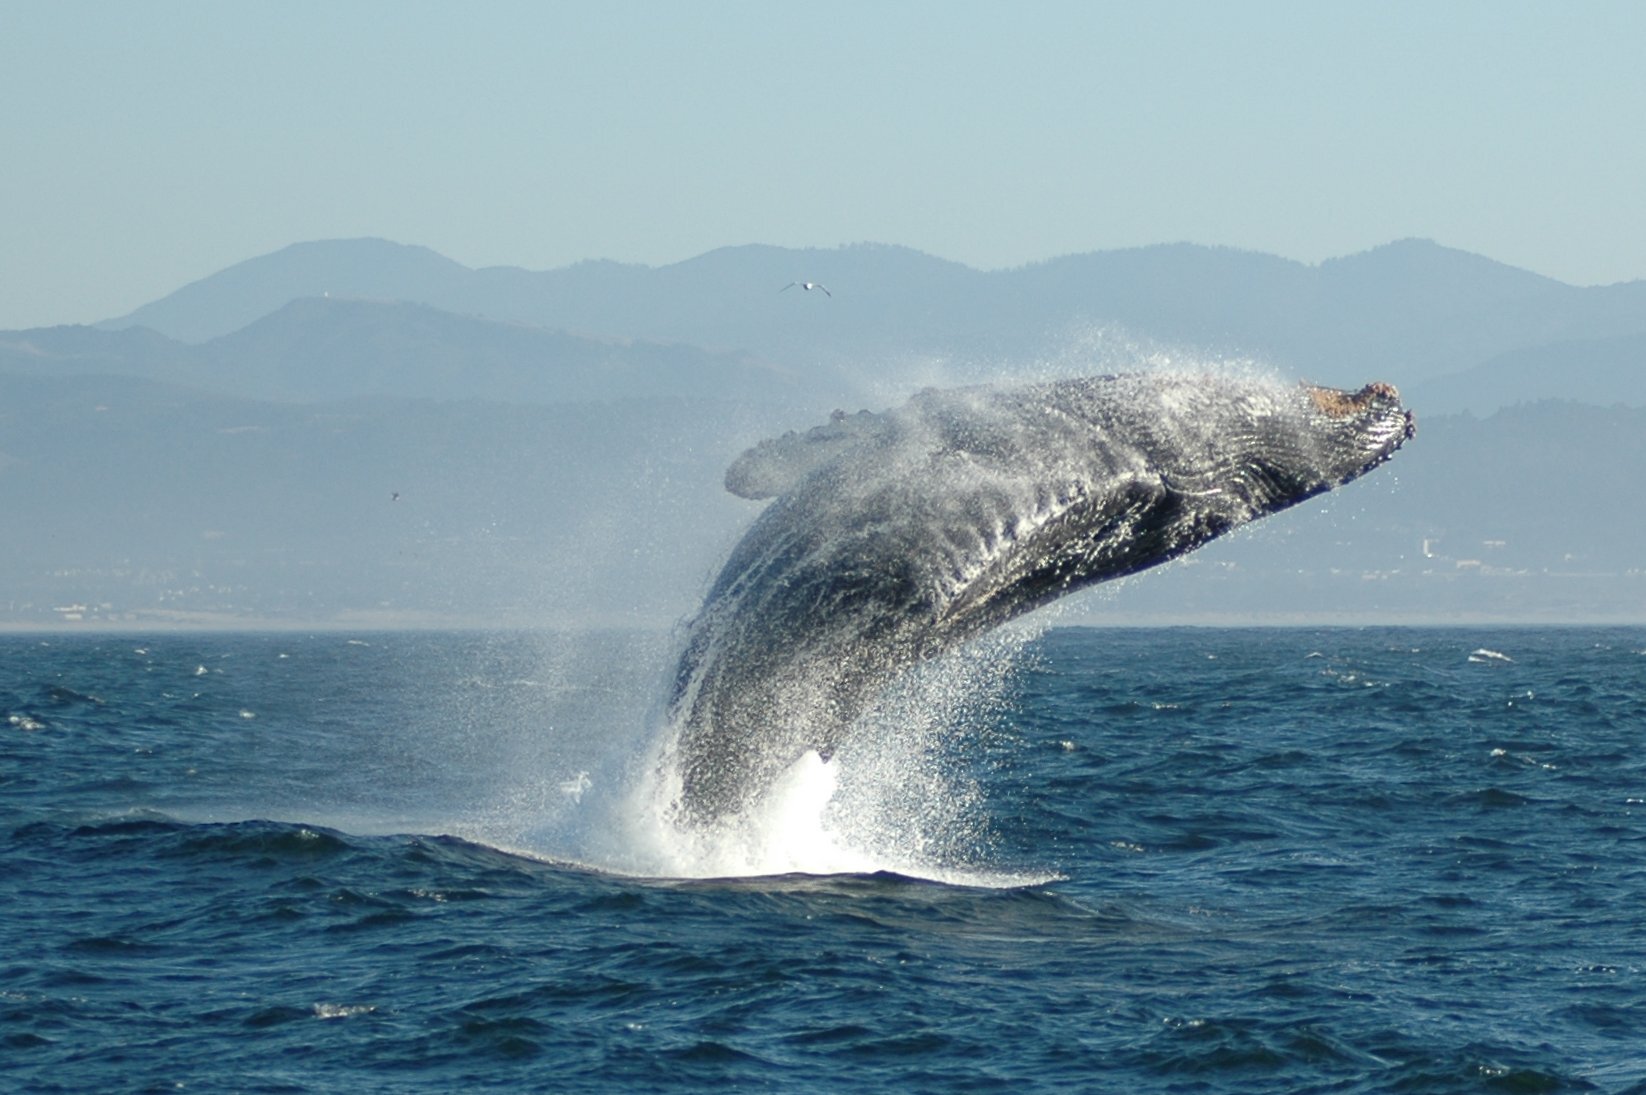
x,y
895,537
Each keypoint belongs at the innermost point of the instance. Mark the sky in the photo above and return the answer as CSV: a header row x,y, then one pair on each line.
x,y
145,146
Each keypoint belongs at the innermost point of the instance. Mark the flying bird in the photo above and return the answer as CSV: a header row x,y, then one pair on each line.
x,y
808,286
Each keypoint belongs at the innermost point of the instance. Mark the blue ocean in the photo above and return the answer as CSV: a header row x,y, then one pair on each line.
x,y
1346,860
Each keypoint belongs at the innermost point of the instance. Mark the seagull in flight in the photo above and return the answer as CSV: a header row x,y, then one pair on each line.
x,y
808,286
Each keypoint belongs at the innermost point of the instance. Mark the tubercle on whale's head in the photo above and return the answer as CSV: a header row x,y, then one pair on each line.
x,y
1363,428
1376,396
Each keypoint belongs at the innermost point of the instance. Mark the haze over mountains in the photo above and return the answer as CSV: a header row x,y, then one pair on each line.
x,y
1412,307
361,430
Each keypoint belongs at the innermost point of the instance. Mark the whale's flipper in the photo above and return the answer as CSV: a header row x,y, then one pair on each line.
x,y
899,535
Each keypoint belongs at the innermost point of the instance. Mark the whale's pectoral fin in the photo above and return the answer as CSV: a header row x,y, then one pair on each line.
x,y
777,464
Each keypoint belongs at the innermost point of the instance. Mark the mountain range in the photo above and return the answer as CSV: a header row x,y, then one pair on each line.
x,y
358,429
1412,310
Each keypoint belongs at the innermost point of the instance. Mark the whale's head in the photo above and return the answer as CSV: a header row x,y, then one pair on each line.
x,y
1245,449
1100,477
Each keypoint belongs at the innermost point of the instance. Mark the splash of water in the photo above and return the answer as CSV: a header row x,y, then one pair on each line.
x,y
571,764
903,797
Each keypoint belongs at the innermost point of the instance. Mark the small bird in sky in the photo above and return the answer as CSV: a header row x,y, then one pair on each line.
x,y
808,286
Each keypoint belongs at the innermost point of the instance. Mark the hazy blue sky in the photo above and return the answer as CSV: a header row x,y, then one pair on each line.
x,y
144,145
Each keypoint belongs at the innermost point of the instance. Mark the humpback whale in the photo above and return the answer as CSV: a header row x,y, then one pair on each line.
x,y
896,536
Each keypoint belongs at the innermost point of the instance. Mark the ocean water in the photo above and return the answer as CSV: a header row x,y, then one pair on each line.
x,y
1105,860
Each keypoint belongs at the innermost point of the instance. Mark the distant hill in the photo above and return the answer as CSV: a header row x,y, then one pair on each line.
x,y
365,268
1409,312
1598,371
150,503
319,349
313,349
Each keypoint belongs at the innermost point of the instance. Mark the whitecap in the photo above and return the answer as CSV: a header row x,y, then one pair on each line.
x,y
342,1011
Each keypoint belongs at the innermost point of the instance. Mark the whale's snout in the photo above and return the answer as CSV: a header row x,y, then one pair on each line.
x,y
1357,430
1376,398
1378,403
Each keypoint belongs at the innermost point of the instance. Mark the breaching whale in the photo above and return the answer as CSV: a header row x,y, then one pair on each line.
x,y
899,535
